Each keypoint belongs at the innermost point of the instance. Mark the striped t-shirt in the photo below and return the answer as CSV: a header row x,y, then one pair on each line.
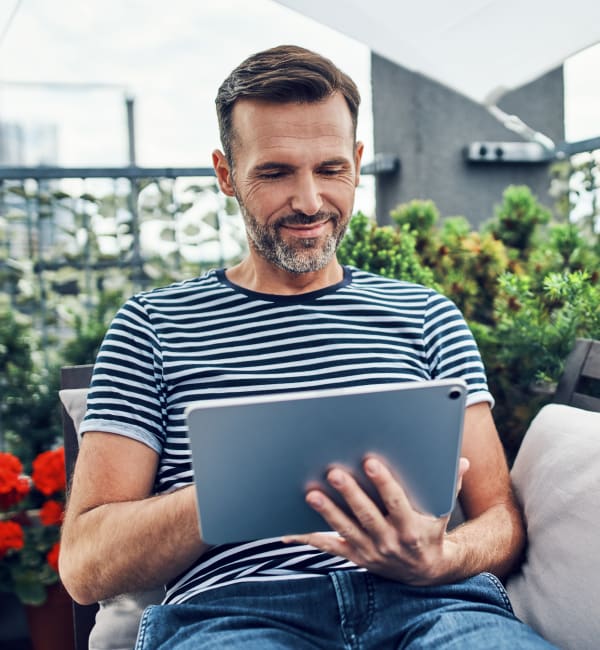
x,y
207,338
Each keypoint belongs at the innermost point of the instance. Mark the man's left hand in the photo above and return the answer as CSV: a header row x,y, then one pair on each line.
x,y
404,545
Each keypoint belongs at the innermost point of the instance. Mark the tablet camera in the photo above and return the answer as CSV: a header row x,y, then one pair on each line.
x,y
454,393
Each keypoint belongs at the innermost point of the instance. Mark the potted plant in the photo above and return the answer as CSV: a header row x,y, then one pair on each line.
x,y
31,512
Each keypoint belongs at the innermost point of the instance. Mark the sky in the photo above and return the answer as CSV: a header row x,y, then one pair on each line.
x,y
171,56
72,63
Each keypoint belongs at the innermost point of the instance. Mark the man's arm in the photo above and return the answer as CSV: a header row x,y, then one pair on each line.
x,y
414,548
493,538
116,536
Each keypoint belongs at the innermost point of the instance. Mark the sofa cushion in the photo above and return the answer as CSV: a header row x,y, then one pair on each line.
x,y
557,480
118,618
74,401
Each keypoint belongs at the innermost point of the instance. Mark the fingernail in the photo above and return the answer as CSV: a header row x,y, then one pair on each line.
x,y
336,478
371,466
315,500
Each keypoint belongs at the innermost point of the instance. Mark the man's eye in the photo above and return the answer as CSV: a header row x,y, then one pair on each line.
x,y
330,171
269,176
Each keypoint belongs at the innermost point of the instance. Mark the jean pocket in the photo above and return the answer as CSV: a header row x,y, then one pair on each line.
x,y
139,644
499,590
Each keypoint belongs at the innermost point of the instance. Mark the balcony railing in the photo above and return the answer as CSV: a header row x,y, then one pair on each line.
x,y
68,234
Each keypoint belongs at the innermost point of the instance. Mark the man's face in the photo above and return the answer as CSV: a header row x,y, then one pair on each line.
x,y
296,168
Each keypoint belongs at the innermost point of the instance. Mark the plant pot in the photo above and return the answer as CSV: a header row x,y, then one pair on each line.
x,y
51,624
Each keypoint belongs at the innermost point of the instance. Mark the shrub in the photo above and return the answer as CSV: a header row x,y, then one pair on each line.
x,y
385,250
527,288
29,413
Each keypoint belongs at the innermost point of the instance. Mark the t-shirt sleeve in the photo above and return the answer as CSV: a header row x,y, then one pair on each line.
x,y
126,395
451,348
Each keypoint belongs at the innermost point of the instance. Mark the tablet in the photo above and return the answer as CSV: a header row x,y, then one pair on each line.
x,y
255,457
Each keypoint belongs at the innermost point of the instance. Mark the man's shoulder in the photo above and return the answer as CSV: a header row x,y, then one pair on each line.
x,y
373,281
206,283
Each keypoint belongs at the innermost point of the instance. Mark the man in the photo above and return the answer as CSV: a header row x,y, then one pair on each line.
x,y
288,317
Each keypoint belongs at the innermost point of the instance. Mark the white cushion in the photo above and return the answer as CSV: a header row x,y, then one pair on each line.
x,y
118,618
557,480
75,402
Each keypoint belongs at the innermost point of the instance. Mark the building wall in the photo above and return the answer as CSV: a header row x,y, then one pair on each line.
x,y
428,125
28,144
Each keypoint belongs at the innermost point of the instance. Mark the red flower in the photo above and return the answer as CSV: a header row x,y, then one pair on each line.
x,y
52,556
11,537
16,495
51,513
49,471
13,486
10,470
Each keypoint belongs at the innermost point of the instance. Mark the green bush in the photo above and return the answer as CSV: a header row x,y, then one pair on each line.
x,y
527,288
89,329
384,250
29,412
517,220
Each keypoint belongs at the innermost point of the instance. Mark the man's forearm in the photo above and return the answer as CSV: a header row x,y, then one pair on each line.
x,y
493,541
128,546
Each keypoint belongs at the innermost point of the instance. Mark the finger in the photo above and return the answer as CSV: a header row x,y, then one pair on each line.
x,y
346,527
326,542
366,512
463,468
399,508
333,542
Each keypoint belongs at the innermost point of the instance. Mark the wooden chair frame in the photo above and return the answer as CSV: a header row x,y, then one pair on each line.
x,y
84,616
579,385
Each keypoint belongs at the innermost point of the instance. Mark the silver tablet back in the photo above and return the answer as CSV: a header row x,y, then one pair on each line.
x,y
254,457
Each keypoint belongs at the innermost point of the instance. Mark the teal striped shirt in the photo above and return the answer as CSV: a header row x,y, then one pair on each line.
x,y
207,338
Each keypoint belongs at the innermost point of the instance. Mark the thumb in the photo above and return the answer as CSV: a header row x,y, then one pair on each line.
x,y
463,468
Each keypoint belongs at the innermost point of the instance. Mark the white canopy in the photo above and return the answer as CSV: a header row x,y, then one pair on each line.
x,y
480,48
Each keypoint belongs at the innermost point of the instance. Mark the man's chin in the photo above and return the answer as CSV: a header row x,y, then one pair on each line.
x,y
297,255
302,263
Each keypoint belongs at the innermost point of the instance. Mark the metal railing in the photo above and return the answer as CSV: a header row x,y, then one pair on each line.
x,y
66,234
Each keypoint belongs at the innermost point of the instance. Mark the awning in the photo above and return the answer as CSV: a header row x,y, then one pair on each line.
x,y
480,48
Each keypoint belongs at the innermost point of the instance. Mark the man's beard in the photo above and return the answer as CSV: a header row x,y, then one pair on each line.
x,y
298,254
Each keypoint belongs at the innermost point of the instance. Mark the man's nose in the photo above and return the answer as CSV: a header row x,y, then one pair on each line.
x,y
307,195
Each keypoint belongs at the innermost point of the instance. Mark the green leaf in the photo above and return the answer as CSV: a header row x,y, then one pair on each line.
x,y
19,191
59,195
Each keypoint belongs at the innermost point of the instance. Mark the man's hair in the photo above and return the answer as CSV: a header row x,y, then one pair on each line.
x,y
283,74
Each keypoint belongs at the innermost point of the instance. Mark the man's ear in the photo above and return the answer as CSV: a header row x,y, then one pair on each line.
x,y
223,172
358,152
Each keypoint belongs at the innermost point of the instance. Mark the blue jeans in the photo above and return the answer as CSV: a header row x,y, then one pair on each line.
x,y
341,610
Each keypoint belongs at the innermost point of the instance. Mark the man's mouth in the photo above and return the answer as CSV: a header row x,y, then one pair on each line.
x,y
307,230
305,226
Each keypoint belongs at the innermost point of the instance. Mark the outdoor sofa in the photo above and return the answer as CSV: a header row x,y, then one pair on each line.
x,y
556,475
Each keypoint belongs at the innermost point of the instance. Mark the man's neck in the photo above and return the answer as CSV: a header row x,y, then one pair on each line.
x,y
263,277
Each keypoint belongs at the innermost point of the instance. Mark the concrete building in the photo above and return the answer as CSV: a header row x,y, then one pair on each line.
x,y
428,126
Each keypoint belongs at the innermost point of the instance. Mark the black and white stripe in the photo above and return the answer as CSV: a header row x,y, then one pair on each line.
x,y
207,338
